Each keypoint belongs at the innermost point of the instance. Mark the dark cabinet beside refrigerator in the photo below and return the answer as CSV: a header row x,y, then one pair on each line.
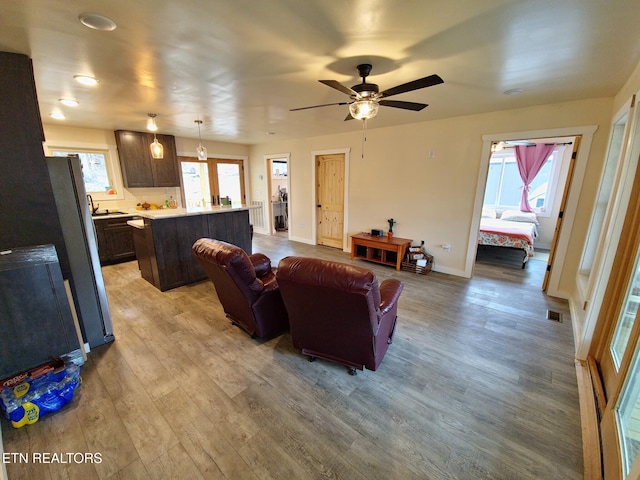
x,y
115,240
35,317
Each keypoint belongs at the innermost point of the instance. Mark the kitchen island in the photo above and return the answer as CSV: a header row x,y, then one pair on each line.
x,y
163,240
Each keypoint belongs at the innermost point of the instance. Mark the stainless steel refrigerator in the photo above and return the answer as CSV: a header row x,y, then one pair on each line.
x,y
87,283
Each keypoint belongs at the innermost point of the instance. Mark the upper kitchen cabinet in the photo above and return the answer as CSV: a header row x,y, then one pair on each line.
x,y
139,169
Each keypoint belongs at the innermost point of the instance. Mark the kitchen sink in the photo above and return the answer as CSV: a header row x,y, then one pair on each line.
x,y
108,212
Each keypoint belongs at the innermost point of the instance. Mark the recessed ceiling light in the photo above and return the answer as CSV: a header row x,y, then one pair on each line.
x,y
97,22
85,79
57,115
69,102
514,91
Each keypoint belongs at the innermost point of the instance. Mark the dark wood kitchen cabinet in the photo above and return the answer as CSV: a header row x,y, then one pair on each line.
x,y
139,169
28,215
145,252
163,247
115,240
35,317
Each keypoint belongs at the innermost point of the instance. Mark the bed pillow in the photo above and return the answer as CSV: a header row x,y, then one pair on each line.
x,y
488,213
518,216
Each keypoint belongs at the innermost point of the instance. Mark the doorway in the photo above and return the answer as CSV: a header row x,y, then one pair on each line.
x,y
278,191
560,243
545,199
212,182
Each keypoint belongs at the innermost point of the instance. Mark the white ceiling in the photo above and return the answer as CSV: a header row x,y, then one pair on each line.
x,y
240,65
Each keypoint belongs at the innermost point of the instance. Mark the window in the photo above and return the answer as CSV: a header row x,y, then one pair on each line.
x,y
504,185
95,169
599,216
211,182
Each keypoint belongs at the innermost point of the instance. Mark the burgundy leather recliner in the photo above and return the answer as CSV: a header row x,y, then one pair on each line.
x,y
337,311
246,286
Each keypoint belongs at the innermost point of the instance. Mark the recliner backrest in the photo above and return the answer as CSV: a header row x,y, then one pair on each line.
x,y
232,261
336,290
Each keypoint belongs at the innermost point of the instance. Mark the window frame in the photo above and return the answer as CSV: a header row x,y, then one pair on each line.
x,y
112,164
554,173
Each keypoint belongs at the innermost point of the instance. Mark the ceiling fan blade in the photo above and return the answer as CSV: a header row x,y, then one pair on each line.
x,y
316,106
338,86
349,117
416,107
429,81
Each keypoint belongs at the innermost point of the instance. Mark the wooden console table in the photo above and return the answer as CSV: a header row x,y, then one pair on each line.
x,y
379,249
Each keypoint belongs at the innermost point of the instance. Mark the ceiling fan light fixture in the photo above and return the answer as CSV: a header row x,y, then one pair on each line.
x,y
364,109
201,151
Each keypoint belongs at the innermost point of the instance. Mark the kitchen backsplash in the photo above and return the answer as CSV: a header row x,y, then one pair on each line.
x,y
133,196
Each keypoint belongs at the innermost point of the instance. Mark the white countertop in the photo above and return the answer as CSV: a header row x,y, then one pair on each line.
x,y
181,212
174,212
136,223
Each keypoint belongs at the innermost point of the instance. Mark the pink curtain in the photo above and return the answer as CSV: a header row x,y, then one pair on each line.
x,y
530,160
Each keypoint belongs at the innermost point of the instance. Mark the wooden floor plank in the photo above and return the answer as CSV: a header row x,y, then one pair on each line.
x,y
477,384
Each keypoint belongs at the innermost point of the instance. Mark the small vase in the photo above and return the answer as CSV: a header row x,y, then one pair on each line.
x,y
389,235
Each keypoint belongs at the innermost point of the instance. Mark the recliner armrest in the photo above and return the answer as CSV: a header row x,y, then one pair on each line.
x,y
390,291
261,264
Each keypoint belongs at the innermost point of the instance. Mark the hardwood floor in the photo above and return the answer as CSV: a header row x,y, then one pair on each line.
x,y
478,384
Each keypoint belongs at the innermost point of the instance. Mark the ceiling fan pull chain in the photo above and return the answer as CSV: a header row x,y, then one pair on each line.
x,y
364,134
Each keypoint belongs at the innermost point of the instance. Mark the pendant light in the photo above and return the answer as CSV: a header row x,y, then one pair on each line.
x,y
201,151
151,122
157,150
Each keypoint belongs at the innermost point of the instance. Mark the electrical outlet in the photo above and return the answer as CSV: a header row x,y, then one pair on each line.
x,y
446,247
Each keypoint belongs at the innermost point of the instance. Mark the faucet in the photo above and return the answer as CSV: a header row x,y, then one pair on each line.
x,y
93,209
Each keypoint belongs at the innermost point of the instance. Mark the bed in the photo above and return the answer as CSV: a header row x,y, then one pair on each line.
x,y
513,229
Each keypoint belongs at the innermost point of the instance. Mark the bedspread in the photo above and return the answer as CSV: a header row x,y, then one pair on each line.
x,y
501,233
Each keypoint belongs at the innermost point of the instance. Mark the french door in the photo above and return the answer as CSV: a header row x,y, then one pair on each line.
x,y
620,365
616,347
212,182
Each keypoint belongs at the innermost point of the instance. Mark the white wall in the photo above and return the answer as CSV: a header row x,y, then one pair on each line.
x,y
431,198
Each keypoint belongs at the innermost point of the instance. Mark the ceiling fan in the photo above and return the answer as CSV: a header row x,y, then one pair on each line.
x,y
365,98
